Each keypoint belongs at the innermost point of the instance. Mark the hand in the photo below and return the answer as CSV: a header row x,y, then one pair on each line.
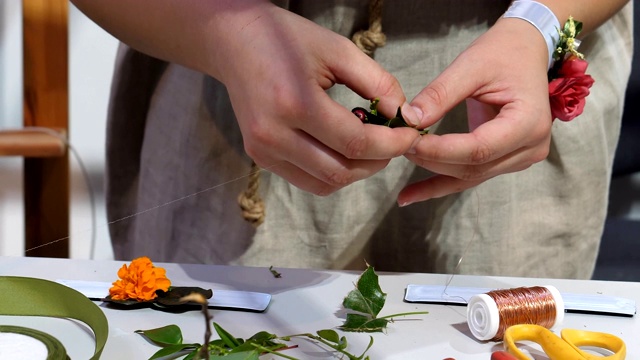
x,y
276,70
502,76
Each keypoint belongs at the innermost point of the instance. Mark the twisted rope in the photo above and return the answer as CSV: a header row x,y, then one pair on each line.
x,y
252,205
372,38
250,201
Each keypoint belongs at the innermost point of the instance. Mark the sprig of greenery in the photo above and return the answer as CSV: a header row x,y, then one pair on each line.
x,y
566,47
567,43
365,303
230,347
274,272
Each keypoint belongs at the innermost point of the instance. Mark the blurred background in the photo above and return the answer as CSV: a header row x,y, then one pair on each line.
x,y
91,59
619,257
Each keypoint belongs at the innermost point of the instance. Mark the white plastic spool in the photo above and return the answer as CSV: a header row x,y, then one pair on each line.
x,y
483,317
22,347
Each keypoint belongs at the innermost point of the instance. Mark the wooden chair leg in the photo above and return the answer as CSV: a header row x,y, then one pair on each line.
x,y
46,104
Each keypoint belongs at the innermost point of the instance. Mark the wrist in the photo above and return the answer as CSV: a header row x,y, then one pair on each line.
x,y
539,16
229,35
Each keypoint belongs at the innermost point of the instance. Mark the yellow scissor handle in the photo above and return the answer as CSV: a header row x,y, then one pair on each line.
x,y
577,338
565,348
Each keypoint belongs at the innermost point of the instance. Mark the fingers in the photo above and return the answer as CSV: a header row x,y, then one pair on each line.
x,y
434,187
326,152
310,182
351,67
508,115
447,90
313,167
463,161
456,173
491,141
287,118
368,79
453,178
340,130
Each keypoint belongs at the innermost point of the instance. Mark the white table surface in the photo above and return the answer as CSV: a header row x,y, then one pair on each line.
x,y
306,301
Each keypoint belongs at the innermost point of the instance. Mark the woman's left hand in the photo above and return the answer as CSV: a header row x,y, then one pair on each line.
x,y
502,76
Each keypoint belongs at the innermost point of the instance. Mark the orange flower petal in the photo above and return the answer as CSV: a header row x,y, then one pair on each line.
x,y
139,281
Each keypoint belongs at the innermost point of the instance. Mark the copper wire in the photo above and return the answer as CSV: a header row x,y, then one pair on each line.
x,y
524,305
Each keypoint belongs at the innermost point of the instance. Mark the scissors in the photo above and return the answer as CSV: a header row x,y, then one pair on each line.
x,y
565,348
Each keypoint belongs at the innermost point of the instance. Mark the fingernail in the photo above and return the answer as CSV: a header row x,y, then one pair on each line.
x,y
412,115
412,149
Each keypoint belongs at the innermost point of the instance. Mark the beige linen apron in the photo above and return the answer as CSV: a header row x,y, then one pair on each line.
x,y
176,162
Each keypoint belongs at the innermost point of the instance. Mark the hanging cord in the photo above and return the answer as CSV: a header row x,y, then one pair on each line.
x,y
252,205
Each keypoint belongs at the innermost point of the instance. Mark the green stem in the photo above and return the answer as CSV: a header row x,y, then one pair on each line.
x,y
277,353
331,345
403,314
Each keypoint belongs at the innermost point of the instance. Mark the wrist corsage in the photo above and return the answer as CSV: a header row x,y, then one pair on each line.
x,y
568,82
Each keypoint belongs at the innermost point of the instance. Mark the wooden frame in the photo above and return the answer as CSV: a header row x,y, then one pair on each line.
x,y
46,104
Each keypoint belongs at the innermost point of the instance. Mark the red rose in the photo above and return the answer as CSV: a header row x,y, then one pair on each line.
x,y
567,93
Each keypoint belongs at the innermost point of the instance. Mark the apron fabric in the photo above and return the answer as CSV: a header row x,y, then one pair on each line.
x,y
176,164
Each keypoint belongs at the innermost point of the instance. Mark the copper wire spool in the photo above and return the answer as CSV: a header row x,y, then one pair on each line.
x,y
489,315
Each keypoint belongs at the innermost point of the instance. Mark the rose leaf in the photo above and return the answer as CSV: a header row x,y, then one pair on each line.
x,y
173,349
363,323
163,336
367,297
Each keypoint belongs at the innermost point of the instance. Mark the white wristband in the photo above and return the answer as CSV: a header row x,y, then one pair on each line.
x,y
540,16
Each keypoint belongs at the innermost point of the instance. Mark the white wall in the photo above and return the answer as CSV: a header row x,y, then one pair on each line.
x,y
11,209
91,58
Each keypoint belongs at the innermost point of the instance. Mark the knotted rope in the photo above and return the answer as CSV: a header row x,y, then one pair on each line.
x,y
250,201
372,38
252,205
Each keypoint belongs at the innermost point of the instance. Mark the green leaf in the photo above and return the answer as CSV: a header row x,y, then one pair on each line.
x,y
191,355
362,323
173,349
578,25
262,336
329,335
261,339
163,336
373,106
245,355
332,336
368,297
396,122
227,338
368,347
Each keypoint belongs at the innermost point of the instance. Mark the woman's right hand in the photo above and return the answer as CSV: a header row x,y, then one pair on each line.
x,y
276,67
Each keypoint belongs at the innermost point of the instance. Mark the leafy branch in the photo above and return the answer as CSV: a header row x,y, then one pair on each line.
x,y
365,303
230,347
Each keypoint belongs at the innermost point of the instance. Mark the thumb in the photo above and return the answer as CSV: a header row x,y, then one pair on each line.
x,y
446,91
370,80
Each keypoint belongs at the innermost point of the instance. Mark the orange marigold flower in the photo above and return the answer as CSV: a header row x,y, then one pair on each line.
x,y
139,281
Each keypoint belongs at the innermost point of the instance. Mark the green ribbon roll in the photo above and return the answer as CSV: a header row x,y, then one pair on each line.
x,y
55,349
23,296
